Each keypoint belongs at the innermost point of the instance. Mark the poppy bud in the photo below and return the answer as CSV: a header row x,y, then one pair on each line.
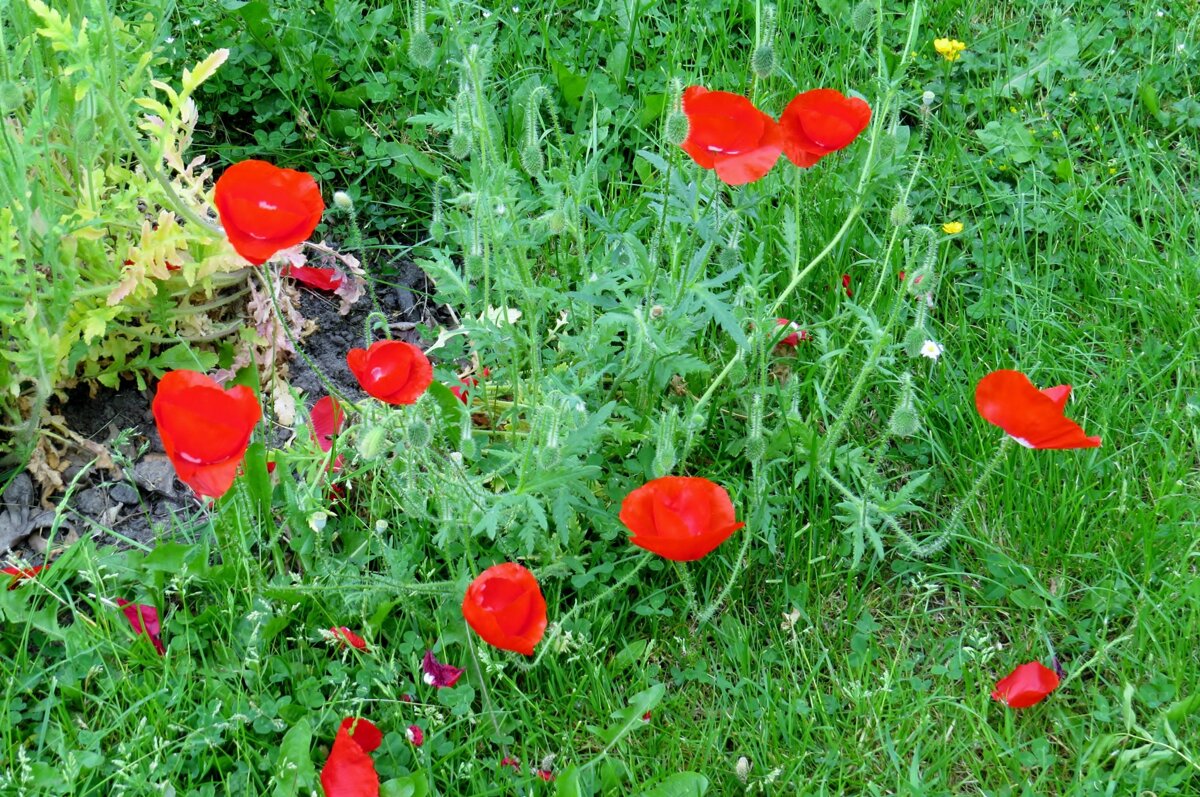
x,y
676,128
762,62
460,146
901,214
532,159
420,435
863,16
665,455
343,200
905,422
371,444
914,339
421,50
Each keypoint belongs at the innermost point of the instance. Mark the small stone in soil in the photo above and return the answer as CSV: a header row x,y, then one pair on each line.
x,y
155,472
124,493
91,502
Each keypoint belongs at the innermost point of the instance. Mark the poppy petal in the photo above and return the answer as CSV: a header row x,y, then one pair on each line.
x,y
265,209
327,417
1033,417
350,771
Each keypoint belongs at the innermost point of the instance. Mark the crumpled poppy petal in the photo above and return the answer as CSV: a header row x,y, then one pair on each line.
x,y
265,209
323,279
19,574
144,619
1034,418
392,371
439,674
1027,685
753,164
349,637
350,771
327,418
818,122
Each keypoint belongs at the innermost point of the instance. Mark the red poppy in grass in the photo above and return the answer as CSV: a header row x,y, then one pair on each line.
x,y
19,574
1032,417
204,429
818,122
144,619
392,371
1025,686
682,518
463,387
439,674
509,761
324,279
264,208
727,133
505,607
545,774
327,418
795,334
349,771
846,286
349,637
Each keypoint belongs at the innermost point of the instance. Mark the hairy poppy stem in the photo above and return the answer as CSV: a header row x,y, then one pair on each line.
x,y
556,629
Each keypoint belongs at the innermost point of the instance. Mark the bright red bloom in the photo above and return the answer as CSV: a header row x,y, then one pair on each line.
x,y
796,334
1026,685
415,735
349,771
439,674
504,605
19,574
327,418
264,208
349,637
727,133
325,279
392,371
545,775
144,619
509,761
461,389
846,285
682,518
204,429
818,122
1032,417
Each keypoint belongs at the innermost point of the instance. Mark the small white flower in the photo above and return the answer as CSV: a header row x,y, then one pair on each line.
x,y
743,769
931,349
1179,47
428,678
1160,13
381,526
487,14
317,521
517,10
170,40
501,209
927,98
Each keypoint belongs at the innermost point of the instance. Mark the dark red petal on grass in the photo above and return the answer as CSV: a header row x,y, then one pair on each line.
x,y
144,619
19,574
324,279
509,761
1032,417
327,418
463,387
265,209
349,637
545,775
349,771
439,674
504,605
1027,685
415,735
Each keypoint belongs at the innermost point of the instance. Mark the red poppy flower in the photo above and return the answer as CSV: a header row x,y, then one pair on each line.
x,y
846,286
349,637
439,674
509,761
463,387
324,279
204,429
545,774
505,607
727,133
415,735
144,620
19,574
264,208
818,122
1032,417
391,370
1026,685
682,518
327,418
793,338
349,771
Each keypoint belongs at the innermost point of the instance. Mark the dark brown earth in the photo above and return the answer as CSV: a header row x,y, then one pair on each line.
x,y
146,502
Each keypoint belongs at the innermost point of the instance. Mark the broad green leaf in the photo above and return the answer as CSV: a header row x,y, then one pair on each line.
x,y
682,784
294,770
413,785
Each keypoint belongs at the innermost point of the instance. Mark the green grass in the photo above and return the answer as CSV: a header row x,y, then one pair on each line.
x,y
1077,264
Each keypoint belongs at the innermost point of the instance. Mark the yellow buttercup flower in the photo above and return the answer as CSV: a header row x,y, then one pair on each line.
x,y
952,227
949,48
